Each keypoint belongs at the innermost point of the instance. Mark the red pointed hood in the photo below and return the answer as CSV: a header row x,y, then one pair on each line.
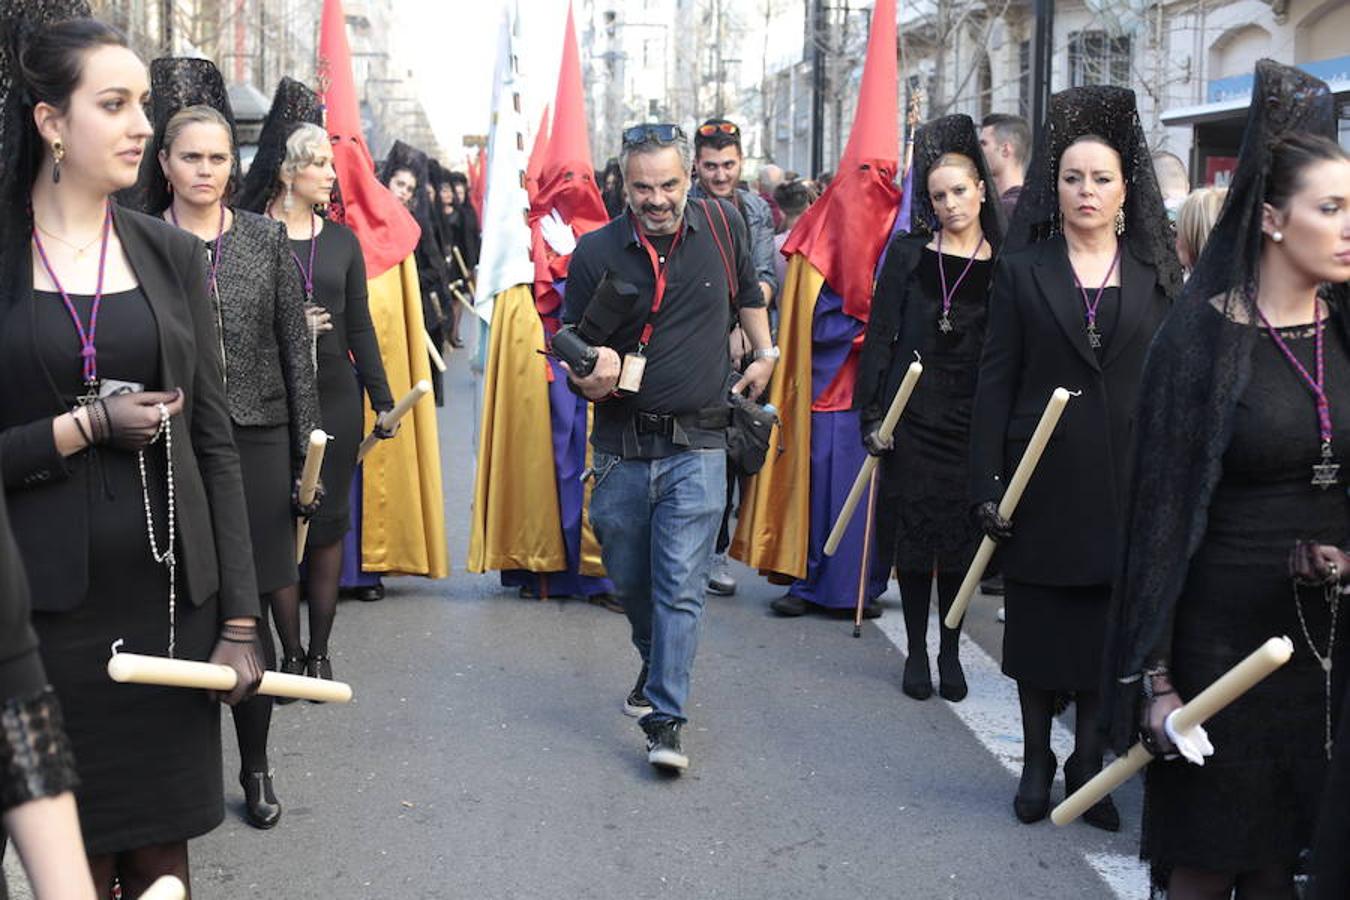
x,y
566,176
536,161
844,232
385,228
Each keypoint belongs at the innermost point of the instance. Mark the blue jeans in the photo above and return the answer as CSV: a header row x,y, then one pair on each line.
x,y
656,521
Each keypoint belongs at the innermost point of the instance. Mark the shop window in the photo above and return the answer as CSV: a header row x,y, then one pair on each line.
x,y
1096,57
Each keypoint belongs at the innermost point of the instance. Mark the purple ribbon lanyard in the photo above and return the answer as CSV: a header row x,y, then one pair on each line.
x,y
1095,336
88,348
945,322
307,275
220,245
1325,473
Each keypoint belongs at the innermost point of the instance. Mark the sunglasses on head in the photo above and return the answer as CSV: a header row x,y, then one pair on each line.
x,y
708,129
662,133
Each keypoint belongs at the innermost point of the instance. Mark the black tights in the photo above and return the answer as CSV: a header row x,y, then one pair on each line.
x,y
321,594
1038,714
137,869
916,591
253,718
1271,883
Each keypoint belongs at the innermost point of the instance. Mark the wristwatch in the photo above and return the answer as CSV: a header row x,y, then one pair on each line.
x,y
768,353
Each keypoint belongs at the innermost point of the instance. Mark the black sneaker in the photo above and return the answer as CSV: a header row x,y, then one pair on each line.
x,y
663,746
636,703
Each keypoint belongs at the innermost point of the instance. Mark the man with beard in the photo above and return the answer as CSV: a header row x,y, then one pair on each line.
x,y
717,168
660,444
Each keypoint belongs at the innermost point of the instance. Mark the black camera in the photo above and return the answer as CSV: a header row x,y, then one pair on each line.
x,y
571,348
612,304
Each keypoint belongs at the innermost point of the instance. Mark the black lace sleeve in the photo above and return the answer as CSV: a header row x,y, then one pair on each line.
x,y
35,755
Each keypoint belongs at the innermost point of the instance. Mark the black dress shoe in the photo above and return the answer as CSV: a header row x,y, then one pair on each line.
x,y
951,679
918,679
608,601
369,593
1103,813
290,665
262,808
1032,802
789,606
319,667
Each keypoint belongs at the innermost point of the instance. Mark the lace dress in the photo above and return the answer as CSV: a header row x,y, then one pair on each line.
x,y
926,475
1254,803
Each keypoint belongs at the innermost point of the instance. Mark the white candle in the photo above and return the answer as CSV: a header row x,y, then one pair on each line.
x,y
1229,687
1008,505
434,352
860,483
134,668
166,887
391,418
309,484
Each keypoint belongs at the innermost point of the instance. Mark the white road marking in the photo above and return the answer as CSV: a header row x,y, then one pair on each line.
x,y
992,714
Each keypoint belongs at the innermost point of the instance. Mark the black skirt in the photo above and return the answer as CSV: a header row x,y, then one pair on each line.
x,y
265,462
148,758
340,399
1054,636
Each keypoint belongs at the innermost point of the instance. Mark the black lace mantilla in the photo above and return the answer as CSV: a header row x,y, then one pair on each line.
x,y
1109,113
952,134
292,105
35,755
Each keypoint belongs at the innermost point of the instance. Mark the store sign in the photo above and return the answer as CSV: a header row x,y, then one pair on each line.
x,y
1239,87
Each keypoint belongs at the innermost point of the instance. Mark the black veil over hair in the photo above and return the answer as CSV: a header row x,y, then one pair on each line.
x,y
1197,370
1109,113
405,156
951,134
292,105
20,146
175,84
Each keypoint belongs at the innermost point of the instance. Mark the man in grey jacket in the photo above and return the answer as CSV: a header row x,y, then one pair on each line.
x,y
717,173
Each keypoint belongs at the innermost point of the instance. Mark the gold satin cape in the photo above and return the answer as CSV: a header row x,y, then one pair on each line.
x,y
517,520
774,528
403,515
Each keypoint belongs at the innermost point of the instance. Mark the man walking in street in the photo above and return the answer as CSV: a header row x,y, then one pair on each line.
x,y
660,443
717,170
1006,142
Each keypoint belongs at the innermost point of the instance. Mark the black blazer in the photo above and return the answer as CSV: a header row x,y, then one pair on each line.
x,y
47,497
1067,528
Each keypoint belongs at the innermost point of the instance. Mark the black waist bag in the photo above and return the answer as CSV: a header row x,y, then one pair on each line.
x,y
749,434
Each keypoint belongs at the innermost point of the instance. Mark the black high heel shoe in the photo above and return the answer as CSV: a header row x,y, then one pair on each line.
x,y
290,665
1103,813
319,667
262,808
1032,807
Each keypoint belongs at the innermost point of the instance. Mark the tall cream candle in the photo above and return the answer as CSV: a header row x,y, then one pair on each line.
x,y
391,418
309,485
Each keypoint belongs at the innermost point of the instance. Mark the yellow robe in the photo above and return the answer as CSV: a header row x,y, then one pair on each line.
x,y
403,520
774,528
516,518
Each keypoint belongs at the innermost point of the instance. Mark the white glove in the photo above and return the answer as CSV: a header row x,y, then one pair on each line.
x,y
558,234
1193,743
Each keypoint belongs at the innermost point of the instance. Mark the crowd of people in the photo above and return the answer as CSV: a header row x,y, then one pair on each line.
x,y
175,330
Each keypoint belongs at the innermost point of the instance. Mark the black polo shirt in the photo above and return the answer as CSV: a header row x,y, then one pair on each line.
x,y
688,364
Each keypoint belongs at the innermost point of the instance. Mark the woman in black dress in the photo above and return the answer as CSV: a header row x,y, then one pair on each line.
x,y
1239,518
1084,280
931,299
119,462
269,371
291,176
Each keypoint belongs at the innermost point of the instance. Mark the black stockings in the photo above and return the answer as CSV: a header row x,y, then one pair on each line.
x,y
1271,883
137,869
915,600
321,594
253,718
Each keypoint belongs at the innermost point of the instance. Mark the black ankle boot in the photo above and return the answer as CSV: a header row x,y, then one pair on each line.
x,y
1103,813
1032,802
262,808
290,665
918,680
951,677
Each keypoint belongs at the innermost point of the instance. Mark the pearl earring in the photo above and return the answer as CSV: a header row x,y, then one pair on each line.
x,y
1277,236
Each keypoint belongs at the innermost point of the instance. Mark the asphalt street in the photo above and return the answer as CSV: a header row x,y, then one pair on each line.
x,y
486,756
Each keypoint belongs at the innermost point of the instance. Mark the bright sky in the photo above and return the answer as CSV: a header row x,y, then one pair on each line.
x,y
452,50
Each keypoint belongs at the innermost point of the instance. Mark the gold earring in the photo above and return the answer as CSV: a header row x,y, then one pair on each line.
x,y
58,154
1120,220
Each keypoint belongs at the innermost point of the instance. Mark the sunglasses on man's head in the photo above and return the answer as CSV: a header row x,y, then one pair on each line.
x,y
708,129
663,133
